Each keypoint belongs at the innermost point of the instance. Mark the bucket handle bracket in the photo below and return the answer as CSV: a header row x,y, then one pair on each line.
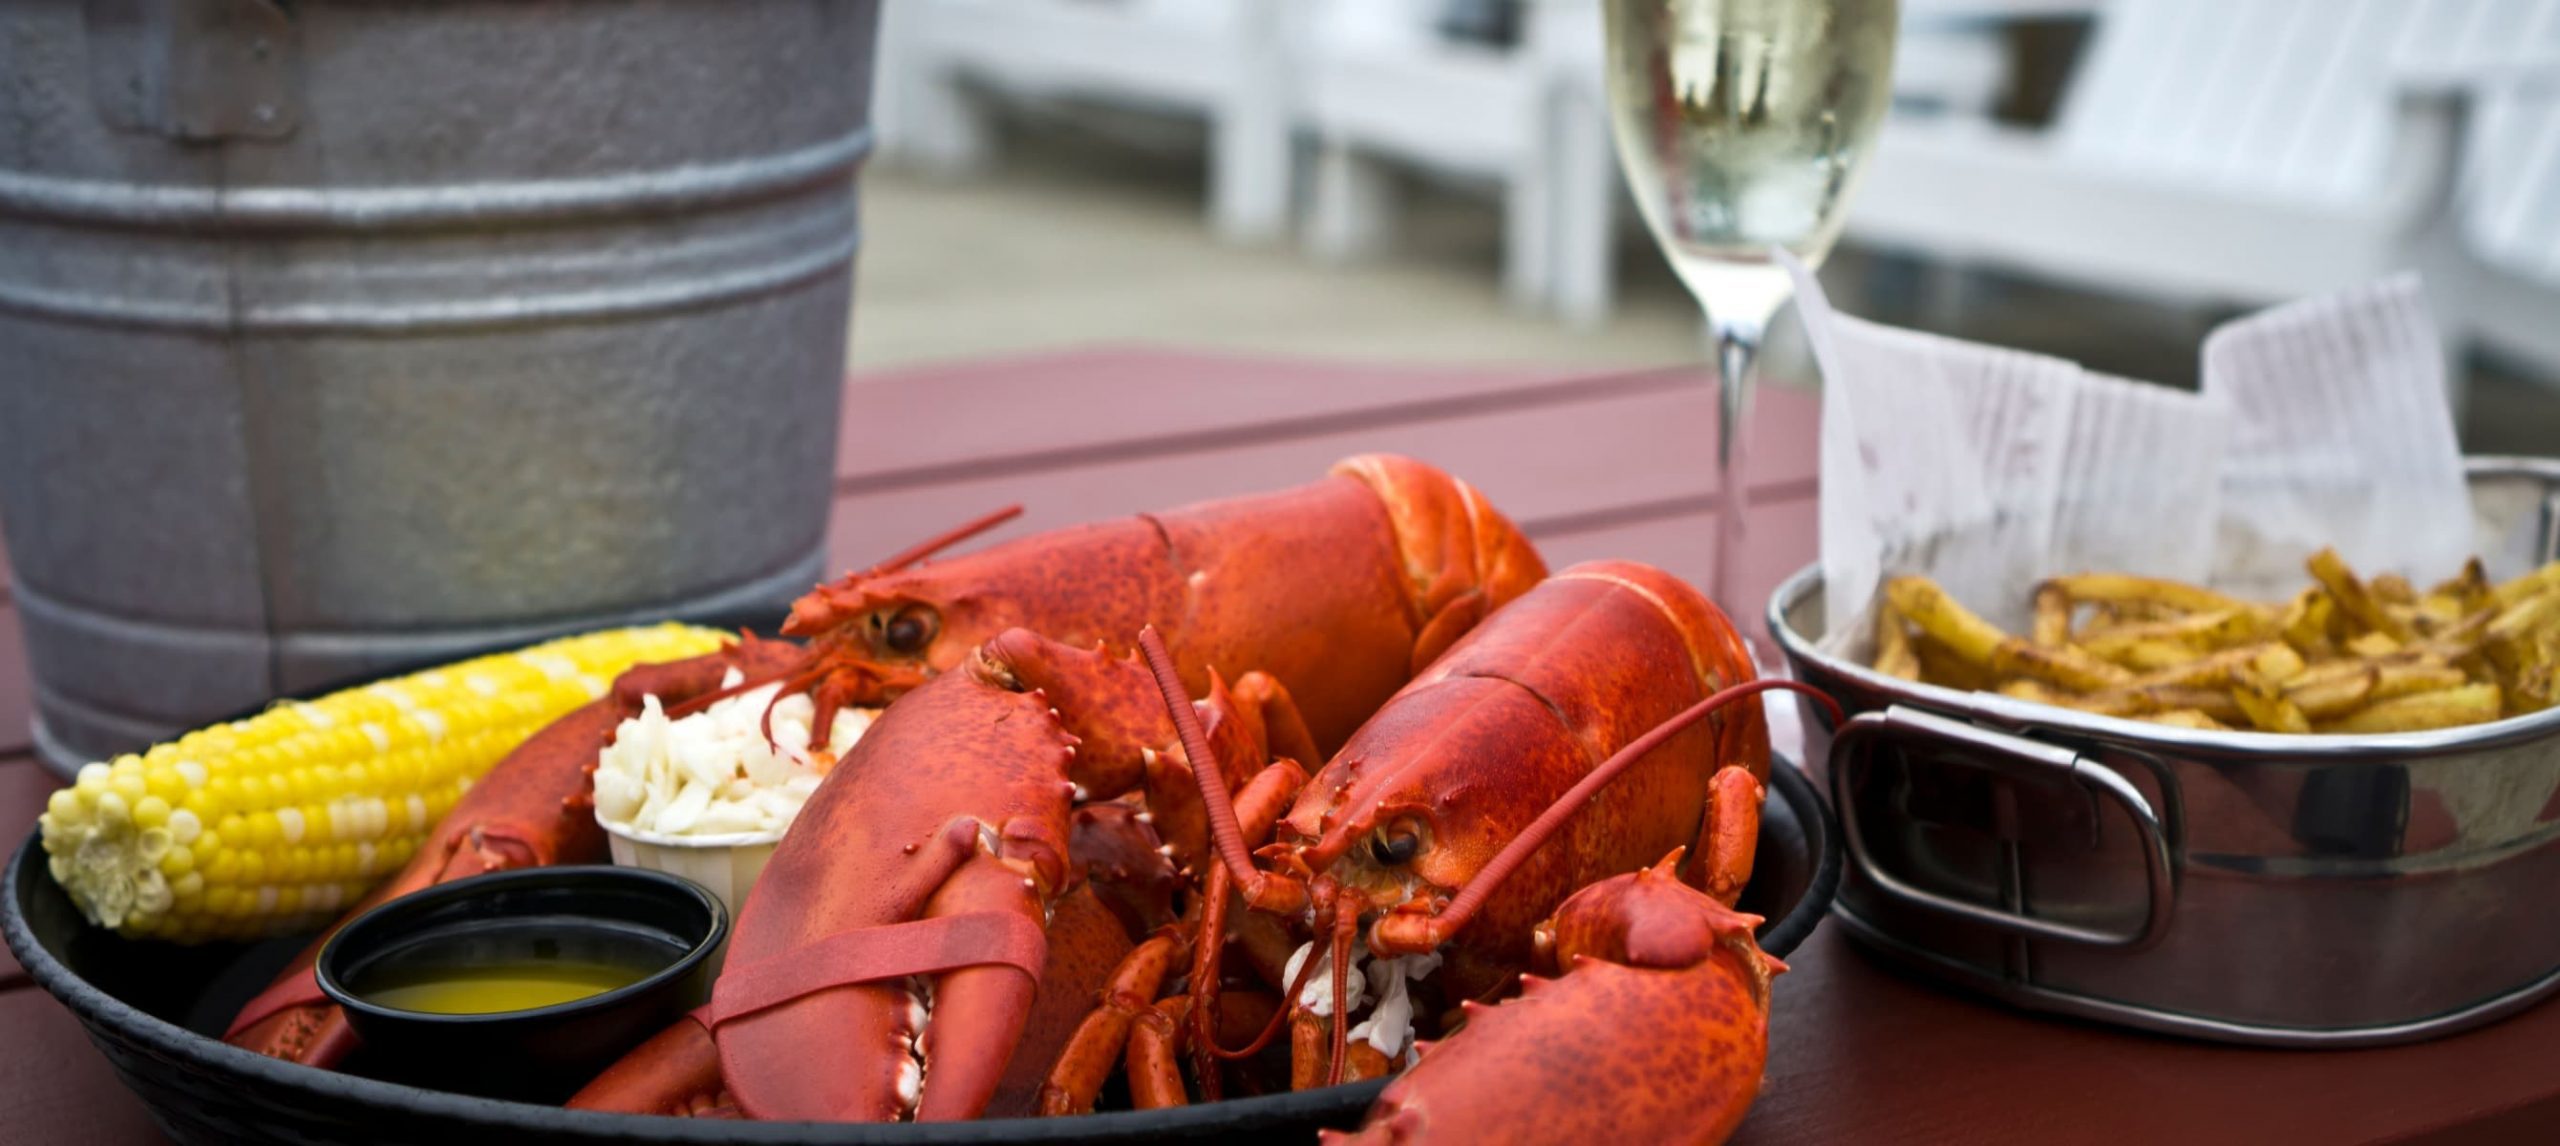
x,y
2019,757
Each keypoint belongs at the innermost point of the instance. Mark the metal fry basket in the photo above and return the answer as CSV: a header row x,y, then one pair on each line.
x,y
2235,886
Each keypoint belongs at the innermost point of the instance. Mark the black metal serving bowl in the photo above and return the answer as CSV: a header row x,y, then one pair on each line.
x,y
157,1011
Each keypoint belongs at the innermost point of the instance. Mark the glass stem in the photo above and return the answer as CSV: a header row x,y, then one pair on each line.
x,y
1737,347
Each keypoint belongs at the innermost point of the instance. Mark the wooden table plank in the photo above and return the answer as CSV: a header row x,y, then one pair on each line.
x,y
1574,461
1861,1053
24,784
17,686
55,1087
1039,412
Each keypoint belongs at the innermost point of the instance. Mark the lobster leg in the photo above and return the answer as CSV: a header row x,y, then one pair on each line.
x,y
1134,986
1116,847
1284,730
1087,1061
676,1073
1155,1056
1086,944
1730,835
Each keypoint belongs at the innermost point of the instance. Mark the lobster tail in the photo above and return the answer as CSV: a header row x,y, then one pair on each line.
x,y
1716,651
1461,558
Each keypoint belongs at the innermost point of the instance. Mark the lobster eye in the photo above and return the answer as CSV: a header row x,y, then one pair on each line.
x,y
911,629
1392,847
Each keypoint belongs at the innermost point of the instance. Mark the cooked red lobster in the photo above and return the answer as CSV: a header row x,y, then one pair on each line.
x,y
1038,870
1581,732
1342,588
905,925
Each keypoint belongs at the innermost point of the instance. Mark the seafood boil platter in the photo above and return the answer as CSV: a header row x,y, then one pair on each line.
x,y
1330,807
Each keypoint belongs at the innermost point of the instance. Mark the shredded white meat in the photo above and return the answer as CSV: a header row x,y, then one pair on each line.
x,y
713,772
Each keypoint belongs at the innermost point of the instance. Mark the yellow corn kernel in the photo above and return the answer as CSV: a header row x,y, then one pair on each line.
x,y
273,823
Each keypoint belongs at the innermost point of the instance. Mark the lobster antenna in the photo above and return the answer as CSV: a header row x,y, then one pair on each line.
x,y
1223,828
946,539
1472,897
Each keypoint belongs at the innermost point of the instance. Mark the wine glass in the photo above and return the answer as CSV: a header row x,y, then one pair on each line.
x,y
1741,125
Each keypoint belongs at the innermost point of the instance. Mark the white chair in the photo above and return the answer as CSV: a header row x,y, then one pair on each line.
x,y
1381,92
1225,60
2511,209
1384,92
2224,151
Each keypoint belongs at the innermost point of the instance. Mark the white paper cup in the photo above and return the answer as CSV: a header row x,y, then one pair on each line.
x,y
726,865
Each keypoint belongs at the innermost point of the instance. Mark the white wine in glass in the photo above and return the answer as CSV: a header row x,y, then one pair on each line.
x,y
1741,125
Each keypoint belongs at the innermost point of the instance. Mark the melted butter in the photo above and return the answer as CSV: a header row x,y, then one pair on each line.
x,y
495,987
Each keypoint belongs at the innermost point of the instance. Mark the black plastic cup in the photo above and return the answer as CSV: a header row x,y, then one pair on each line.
x,y
543,1054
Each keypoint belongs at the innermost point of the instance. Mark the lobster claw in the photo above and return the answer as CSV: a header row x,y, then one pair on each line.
x,y
948,991
1648,961
889,960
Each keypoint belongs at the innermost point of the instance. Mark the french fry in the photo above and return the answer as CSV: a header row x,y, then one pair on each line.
x,y
2371,645
2468,590
1942,665
2209,671
2446,708
2461,642
2353,597
2053,616
2336,695
2343,655
2396,680
2439,611
2187,718
2266,705
1893,644
2305,622
2106,616
2278,662
2535,690
2196,633
2540,580
1983,644
2122,589
2213,702
2513,638
2035,690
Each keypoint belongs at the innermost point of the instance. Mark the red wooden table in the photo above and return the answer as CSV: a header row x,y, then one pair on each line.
x,y
1614,465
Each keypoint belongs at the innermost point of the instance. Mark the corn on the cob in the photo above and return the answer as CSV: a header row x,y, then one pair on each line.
x,y
271,824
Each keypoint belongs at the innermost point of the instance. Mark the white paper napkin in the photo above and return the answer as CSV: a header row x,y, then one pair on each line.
x,y
2322,422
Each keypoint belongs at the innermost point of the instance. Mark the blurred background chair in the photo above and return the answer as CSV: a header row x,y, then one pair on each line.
x,y
1225,61
2242,152
2510,116
1480,92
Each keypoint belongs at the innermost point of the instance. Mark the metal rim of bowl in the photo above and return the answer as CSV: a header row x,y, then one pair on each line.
x,y
97,1009
700,949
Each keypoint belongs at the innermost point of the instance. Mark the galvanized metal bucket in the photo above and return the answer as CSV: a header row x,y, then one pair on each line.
x,y
2242,887
337,337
